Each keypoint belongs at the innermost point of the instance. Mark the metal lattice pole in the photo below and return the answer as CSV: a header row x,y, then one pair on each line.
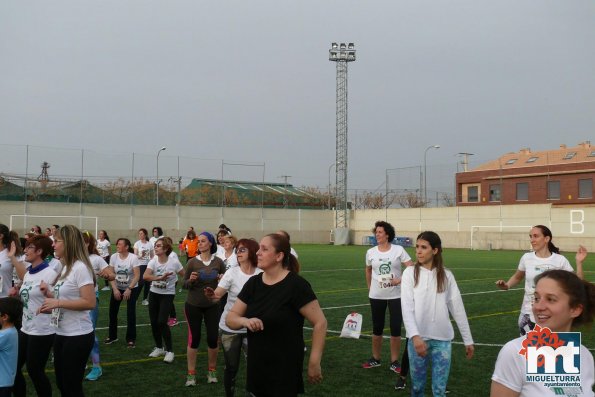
x,y
341,54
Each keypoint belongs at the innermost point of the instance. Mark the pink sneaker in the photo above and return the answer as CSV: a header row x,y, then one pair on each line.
x,y
172,321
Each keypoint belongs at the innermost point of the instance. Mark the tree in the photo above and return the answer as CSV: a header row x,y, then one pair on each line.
x,y
409,200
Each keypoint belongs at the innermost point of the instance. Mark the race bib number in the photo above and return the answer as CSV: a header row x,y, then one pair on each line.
x,y
55,318
384,280
159,284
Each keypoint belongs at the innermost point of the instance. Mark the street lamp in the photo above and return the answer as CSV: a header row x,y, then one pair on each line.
x,y
425,172
158,153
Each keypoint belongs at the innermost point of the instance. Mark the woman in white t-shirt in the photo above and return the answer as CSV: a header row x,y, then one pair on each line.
x,y
69,301
429,294
143,249
161,272
36,336
383,276
104,249
233,341
101,269
228,256
562,302
124,288
545,256
6,266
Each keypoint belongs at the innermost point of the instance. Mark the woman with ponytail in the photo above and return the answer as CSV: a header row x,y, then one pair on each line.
x,y
272,306
545,256
563,303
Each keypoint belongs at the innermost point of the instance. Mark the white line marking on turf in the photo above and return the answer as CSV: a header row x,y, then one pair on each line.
x,y
330,331
468,293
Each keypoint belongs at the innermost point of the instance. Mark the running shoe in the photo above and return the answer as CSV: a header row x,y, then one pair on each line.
x,y
106,288
169,357
145,302
172,321
94,374
400,385
157,352
371,363
190,380
395,366
131,345
109,341
212,376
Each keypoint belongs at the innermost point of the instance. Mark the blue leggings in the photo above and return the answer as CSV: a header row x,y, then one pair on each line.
x,y
438,352
95,350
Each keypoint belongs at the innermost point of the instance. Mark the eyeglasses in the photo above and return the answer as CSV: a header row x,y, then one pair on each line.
x,y
58,241
31,247
243,249
158,246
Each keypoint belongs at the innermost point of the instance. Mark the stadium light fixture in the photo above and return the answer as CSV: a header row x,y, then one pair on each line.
x,y
425,171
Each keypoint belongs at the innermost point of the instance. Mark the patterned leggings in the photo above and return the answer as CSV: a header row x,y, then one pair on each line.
x,y
438,352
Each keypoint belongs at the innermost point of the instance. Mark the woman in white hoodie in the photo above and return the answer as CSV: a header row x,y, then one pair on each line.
x,y
428,293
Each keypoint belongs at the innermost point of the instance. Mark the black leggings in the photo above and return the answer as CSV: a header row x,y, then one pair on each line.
x,y
70,356
142,283
194,316
114,308
34,350
405,361
159,307
378,307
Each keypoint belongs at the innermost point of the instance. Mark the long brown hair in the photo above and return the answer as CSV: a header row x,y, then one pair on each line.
x,y
434,240
580,292
281,244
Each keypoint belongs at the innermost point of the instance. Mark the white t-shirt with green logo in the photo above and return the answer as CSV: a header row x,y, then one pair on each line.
x,y
36,323
386,266
533,266
124,269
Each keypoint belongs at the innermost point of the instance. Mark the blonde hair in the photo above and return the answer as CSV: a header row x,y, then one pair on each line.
x,y
75,249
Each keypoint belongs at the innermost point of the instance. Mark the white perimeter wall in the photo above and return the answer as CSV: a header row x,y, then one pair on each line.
x,y
496,227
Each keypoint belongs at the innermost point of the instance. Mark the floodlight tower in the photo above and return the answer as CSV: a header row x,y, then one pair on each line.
x,y
341,54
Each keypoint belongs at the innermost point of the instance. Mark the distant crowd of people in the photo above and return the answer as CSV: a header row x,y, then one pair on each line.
x,y
49,285
252,302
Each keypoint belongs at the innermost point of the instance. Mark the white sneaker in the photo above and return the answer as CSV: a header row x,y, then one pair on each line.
x,y
157,352
212,376
190,381
169,357
106,288
145,302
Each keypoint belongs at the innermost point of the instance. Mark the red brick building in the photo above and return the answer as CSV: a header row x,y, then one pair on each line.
x,y
560,176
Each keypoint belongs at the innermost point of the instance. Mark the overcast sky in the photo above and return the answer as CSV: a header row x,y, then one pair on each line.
x,y
250,81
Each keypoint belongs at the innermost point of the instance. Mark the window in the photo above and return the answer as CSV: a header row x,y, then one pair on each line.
x,y
511,161
569,155
532,159
585,188
495,192
472,194
592,154
553,190
522,191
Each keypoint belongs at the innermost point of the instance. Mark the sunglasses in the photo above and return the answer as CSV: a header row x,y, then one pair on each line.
x,y
243,249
